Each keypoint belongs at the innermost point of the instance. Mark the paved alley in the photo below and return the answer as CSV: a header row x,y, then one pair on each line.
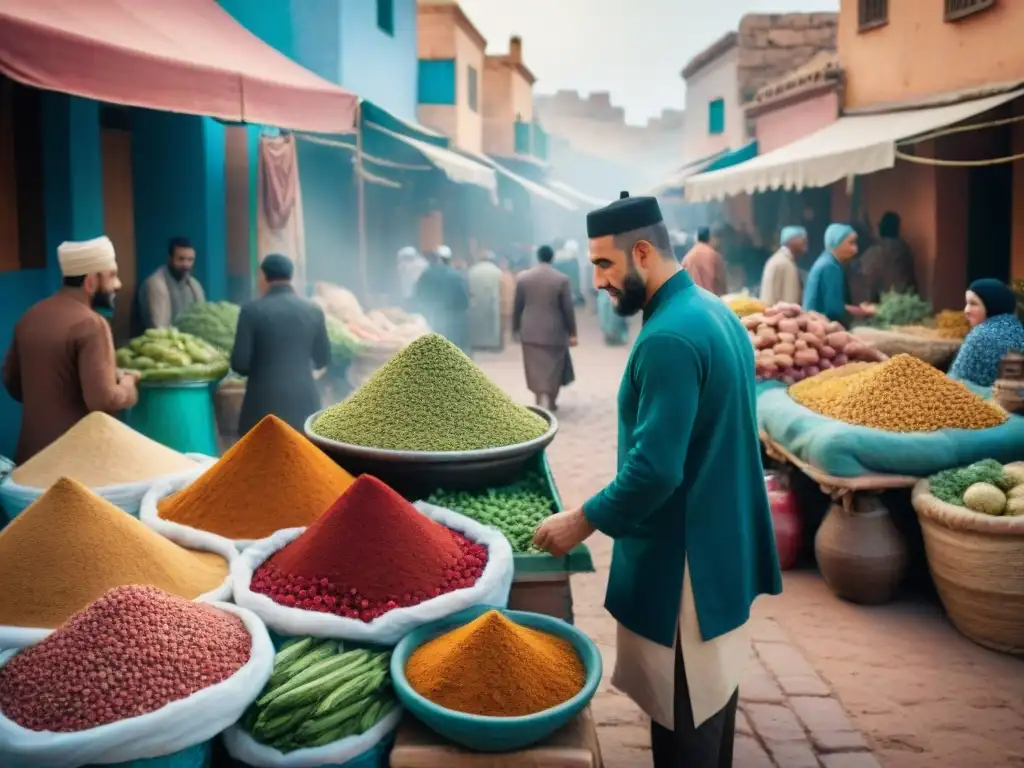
x,y
831,700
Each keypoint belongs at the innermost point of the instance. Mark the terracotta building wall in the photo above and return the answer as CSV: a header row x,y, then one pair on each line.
x,y
788,123
918,53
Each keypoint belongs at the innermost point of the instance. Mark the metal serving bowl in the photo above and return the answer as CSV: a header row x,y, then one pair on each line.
x,y
416,474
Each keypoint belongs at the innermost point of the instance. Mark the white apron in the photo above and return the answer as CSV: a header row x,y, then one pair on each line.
x,y
645,670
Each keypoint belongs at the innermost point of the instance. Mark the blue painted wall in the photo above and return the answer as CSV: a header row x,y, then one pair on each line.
x,y
341,41
73,200
375,65
178,180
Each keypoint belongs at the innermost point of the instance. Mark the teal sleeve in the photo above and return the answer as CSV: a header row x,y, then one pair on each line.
x,y
834,293
667,374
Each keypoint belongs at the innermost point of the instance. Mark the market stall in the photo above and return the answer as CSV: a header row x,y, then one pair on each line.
x,y
863,428
179,374
354,607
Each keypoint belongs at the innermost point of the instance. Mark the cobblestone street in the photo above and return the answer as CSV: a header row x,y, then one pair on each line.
x,y
831,685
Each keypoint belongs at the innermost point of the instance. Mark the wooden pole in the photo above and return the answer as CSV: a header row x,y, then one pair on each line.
x,y
364,277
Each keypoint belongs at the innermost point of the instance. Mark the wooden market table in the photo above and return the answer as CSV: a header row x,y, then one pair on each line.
x,y
574,745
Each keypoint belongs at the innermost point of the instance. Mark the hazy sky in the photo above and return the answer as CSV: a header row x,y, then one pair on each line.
x,y
633,48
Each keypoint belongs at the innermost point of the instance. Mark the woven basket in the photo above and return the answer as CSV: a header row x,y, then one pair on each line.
x,y
937,352
227,407
977,563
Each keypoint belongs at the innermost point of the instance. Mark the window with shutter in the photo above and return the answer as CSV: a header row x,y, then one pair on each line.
x,y
958,9
872,13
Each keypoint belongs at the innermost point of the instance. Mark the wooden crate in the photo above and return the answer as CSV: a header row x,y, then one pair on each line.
x,y
574,745
547,593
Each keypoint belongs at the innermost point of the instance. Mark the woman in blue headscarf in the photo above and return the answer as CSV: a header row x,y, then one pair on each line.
x,y
825,291
995,330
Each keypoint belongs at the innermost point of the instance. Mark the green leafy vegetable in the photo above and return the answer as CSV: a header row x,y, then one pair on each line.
x,y
950,484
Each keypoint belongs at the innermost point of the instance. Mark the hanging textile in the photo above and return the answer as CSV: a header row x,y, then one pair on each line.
x,y
280,225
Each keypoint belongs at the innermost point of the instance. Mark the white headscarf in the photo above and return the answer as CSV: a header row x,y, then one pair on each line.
x,y
86,257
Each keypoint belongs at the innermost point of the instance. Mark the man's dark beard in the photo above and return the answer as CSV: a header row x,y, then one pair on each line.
x,y
177,273
632,296
103,300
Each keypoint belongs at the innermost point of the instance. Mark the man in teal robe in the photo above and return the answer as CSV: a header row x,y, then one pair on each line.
x,y
688,509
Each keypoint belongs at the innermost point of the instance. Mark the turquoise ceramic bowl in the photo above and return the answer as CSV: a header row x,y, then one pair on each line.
x,y
495,734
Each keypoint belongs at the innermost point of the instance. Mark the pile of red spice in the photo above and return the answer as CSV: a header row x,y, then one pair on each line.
x,y
370,553
132,651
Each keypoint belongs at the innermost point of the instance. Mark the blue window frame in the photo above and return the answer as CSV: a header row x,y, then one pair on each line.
x,y
473,87
437,81
716,117
386,16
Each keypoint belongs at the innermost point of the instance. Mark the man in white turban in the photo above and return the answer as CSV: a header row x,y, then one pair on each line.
x,y
60,365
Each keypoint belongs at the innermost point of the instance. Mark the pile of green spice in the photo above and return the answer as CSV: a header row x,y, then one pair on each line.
x,y
515,510
429,397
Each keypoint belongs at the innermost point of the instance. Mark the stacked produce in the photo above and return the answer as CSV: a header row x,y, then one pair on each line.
x,y
133,651
377,330
792,345
215,322
903,394
320,693
496,668
370,553
100,451
429,397
896,308
71,546
272,478
745,305
986,487
516,510
167,354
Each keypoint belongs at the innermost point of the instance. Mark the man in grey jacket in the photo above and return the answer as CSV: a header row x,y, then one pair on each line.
x,y
544,320
281,340
172,289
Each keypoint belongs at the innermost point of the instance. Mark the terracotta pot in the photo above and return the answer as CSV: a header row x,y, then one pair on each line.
x,y
861,555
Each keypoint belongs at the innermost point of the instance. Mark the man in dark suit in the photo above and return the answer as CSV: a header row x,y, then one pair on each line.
x,y
281,340
544,320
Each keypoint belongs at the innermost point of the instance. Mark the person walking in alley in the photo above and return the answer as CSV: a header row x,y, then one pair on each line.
x,y
411,265
544,320
705,264
780,280
688,510
825,291
60,365
484,279
442,296
171,289
280,342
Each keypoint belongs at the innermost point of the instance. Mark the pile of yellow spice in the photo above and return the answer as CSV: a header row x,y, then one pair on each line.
x,y
903,394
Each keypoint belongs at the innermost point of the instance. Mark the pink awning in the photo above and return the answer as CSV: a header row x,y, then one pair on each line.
x,y
186,56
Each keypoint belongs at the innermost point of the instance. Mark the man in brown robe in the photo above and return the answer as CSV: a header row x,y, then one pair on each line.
x,y
544,320
705,265
60,365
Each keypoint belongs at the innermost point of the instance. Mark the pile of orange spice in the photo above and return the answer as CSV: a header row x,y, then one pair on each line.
x,y
273,478
496,668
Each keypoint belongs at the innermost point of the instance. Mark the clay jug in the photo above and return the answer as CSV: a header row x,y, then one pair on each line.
x,y
861,555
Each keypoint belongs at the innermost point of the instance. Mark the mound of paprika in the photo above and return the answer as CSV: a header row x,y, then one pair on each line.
x,y
370,553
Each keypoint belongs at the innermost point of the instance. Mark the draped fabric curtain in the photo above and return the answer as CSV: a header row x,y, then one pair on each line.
x,y
280,224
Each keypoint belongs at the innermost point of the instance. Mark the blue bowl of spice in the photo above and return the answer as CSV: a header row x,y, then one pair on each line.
x,y
496,680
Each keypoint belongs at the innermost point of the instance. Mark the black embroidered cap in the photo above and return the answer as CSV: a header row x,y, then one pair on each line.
x,y
624,215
